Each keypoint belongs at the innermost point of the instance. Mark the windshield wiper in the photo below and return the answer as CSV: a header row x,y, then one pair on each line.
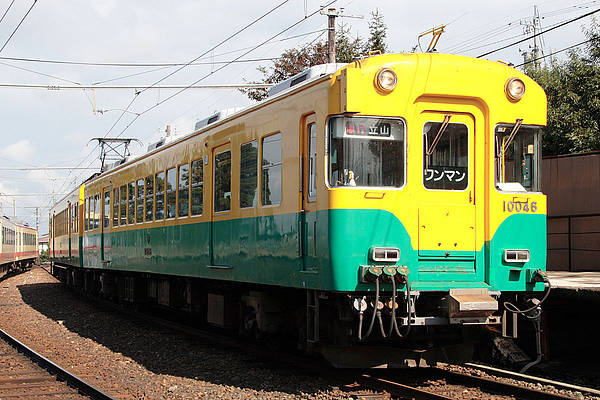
x,y
436,140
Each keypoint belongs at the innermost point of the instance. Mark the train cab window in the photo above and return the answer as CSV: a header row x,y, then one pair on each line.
x,y
271,170
517,158
115,205
183,190
446,156
222,184
123,206
248,174
312,161
160,196
149,198
139,201
171,191
366,152
197,187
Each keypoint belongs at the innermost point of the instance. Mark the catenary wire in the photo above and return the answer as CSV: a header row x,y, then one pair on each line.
x,y
17,28
555,52
7,10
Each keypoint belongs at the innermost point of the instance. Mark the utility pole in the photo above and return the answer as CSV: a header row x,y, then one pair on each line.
x,y
534,26
332,13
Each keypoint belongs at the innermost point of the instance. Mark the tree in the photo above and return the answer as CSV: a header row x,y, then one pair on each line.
x,y
294,61
573,91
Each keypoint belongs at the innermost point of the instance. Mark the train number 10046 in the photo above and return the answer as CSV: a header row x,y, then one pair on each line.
x,y
519,206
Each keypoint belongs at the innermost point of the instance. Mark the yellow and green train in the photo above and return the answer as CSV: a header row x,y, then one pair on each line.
x,y
399,190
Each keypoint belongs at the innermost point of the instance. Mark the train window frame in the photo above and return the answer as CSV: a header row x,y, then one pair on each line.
x,y
149,198
183,188
97,206
161,193
270,166
115,207
363,188
86,210
311,159
256,168
123,205
172,192
195,185
139,198
131,203
537,150
469,149
217,189
106,210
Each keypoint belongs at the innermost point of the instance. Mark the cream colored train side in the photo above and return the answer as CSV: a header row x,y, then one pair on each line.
x,y
18,245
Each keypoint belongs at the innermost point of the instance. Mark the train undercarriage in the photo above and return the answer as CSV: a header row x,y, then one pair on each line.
x,y
341,327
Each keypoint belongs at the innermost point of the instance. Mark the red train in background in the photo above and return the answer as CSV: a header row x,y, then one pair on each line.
x,y
18,245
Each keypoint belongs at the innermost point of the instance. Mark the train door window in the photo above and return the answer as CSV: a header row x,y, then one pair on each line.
x,y
97,211
123,206
248,174
183,195
149,197
446,156
312,161
131,203
139,201
171,186
115,205
197,187
87,214
222,178
271,170
106,214
160,196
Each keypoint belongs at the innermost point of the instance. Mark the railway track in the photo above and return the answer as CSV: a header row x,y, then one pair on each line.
x,y
363,384
26,374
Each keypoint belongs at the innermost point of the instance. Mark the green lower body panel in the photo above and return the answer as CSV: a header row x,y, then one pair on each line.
x,y
322,250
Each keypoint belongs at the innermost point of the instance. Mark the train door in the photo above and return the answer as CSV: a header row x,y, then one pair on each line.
x,y
308,213
105,228
447,202
221,231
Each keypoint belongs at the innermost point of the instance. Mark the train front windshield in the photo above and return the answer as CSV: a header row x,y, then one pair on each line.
x,y
366,151
517,158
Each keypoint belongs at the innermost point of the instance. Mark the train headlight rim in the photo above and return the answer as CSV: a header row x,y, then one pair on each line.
x,y
386,80
515,89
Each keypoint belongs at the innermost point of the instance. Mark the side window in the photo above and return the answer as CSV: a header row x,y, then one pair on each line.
x,y
160,196
171,192
271,170
149,198
115,205
123,202
106,217
139,201
183,195
222,178
312,161
87,214
76,228
97,211
446,156
248,174
197,187
131,203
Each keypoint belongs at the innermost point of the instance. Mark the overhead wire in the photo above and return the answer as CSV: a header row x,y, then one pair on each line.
x,y
18,26
555,52
7,10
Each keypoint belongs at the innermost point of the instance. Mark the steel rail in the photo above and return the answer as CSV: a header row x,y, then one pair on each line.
x,y
531,378
520,392
73,380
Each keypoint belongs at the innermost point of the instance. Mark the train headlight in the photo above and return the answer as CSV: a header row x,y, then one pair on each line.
x,y
515,89
516,256
386,80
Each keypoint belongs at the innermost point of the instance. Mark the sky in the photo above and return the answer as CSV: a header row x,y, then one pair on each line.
x,y
53,127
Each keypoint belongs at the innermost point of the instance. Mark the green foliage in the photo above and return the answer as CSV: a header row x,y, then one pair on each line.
x,y
573,90
294,61
44,256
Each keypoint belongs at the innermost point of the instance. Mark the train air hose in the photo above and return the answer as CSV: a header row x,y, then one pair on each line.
x,y
375,312
514,309
393,322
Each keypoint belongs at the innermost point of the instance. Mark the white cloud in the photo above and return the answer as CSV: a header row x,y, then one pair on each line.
x,y
21,151
104,7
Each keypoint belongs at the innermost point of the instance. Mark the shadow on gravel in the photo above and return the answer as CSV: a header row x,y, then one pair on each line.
x,y
160,350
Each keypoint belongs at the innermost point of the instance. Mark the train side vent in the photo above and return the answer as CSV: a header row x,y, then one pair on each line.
x,y
218,115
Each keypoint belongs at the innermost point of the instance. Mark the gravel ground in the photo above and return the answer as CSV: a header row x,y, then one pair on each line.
x,y
132,359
